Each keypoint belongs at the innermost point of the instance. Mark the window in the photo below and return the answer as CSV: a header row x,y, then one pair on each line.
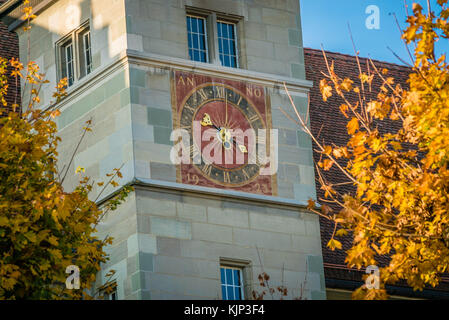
x,y
227,44
111,296
67,62
196,33
108,291
212,39
85,54
74,55
231,283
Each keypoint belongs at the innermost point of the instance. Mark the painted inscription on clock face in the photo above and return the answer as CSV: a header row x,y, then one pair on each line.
x,y
219,116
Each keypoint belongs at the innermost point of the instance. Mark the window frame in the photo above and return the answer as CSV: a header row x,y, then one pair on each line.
x,y
81,36
74,37
66,64
206,36
224,283
234,27
246,274
212,18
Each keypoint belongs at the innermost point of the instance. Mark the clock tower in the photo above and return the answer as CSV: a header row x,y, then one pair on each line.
x,y
185,96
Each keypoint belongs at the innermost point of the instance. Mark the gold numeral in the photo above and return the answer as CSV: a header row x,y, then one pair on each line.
x,y
254,118
202,94
240,100
189,107
245,173
220,92
207,169
194,179
226,177
193,151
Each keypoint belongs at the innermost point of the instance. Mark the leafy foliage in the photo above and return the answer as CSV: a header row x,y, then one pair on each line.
x,y
400,208
43,228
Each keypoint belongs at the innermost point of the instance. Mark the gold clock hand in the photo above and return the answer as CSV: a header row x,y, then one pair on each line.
x,y
226,104
225,136
241,147
206,121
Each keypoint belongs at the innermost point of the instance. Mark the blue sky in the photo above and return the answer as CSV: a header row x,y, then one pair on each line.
x,y
326,22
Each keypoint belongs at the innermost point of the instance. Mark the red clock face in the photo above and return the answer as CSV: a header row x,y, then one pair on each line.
x,y
228,118
223,118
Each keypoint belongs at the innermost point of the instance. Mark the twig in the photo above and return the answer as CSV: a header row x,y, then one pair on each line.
x,y
261,267
76,149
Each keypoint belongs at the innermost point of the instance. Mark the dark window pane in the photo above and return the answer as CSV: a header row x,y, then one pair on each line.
x,y
223,293
224,30
229,276
189,40
230,293
225,47
196,55
188,24
203,56
226,60
232,47
236,277
194,25
195,41
231,31
200,25
237,293
220,46
202,44
222,274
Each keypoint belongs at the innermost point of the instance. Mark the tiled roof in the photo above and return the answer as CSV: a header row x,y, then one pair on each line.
x,y
9,47
327,121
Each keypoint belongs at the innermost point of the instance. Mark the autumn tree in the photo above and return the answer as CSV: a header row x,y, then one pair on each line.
x,y
43,228
400,207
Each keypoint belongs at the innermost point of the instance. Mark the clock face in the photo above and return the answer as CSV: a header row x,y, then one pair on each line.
x,y
222,118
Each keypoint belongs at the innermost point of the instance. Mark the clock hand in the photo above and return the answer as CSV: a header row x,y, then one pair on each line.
x,y
206,121
241,147
226,104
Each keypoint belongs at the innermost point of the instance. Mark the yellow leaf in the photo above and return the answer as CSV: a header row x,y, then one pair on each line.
x,y
325,89
334,244
55,113
347,84
327,164
310,204
353,126
80,169
343,109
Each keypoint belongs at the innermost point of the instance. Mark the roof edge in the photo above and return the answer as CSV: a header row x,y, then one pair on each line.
x,y
8,6
345,56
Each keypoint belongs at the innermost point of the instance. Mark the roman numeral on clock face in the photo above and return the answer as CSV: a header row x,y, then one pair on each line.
x,y
254,118
189,107
245,173
226,177
202,94
240,100
207,169
220,92
193,151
